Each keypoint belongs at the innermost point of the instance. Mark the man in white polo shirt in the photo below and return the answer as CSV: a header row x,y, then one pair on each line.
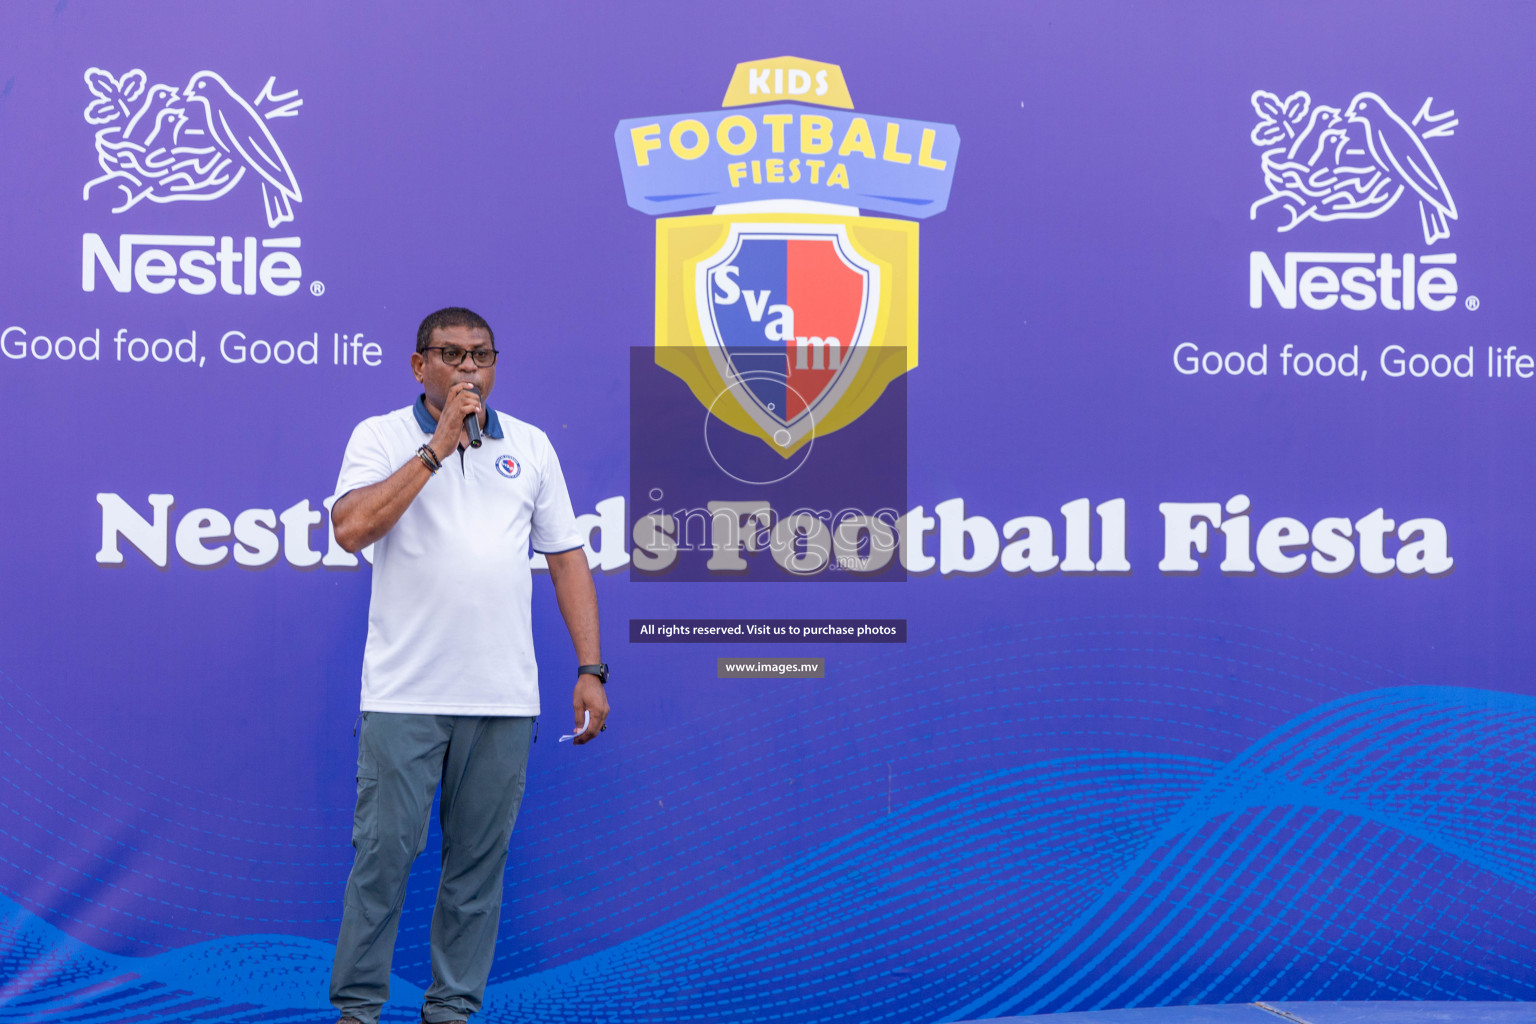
x,y
450,687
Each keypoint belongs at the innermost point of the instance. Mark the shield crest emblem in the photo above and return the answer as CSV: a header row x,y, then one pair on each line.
x,y
787,328
786,312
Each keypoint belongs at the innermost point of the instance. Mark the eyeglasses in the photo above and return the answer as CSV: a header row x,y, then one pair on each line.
x,y
452,355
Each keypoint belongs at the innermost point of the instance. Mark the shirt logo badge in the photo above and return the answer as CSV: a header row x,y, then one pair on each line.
x,y
509,467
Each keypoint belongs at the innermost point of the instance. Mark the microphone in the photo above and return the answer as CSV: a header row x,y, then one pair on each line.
x,y
472,423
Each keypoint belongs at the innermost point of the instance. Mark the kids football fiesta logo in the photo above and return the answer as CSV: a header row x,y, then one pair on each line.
x,y
785,310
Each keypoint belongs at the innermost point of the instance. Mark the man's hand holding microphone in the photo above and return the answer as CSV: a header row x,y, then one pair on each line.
x,y
459,425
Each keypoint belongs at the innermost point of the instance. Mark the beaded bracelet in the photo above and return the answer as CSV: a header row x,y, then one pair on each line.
x,y
429,459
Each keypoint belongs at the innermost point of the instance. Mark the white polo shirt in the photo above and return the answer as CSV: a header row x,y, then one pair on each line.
x,y
449,630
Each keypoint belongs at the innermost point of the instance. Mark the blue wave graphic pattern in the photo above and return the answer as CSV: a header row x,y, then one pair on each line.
x,y
1273,836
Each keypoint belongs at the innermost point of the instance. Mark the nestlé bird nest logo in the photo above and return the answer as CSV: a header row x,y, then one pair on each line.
x,y
195,143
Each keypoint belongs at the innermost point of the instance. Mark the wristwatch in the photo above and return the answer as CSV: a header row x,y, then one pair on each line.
x,y
601,671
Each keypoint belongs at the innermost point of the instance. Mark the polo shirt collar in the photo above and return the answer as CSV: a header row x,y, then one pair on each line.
x,y
428,425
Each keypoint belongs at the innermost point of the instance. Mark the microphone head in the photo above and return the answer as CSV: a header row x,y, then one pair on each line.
x,y
472,423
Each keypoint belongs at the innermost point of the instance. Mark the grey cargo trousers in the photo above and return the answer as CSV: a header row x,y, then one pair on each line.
x,y
481,763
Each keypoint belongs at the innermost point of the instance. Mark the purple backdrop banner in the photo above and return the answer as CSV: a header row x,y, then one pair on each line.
x,y
1170,362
